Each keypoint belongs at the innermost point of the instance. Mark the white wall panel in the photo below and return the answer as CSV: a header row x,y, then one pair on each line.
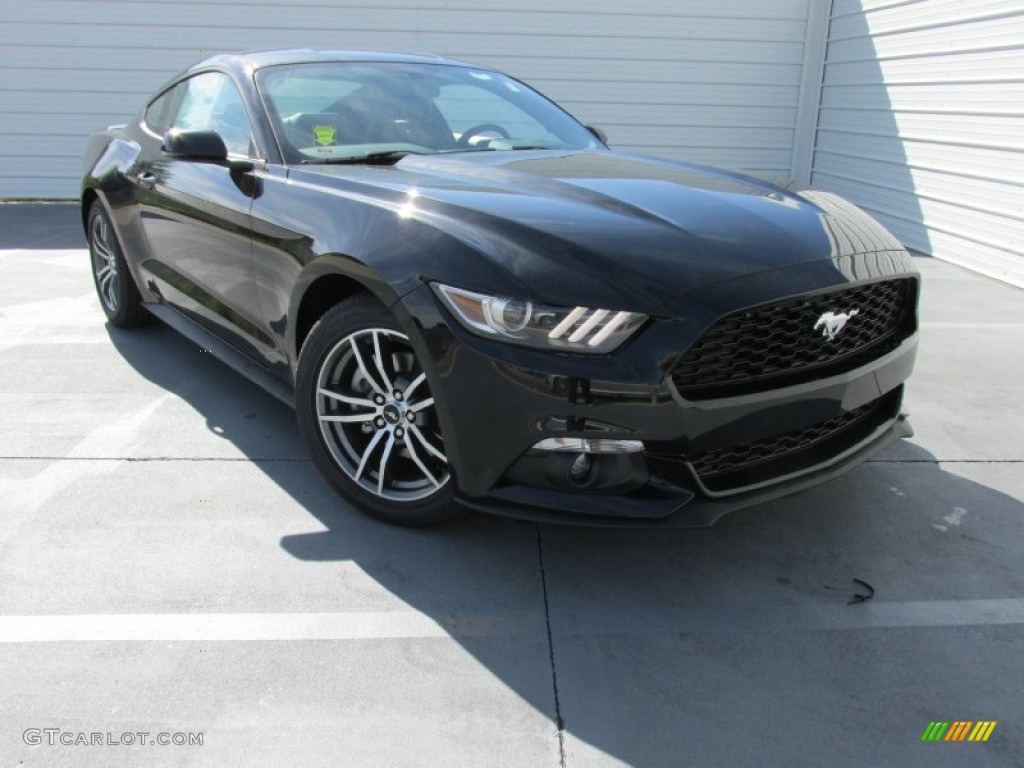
x,y
715,81
922,124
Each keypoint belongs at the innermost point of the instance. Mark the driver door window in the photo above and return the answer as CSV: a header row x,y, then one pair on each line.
x,y
212,103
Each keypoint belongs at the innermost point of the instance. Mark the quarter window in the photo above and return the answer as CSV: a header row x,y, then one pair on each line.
x,y
212,103
160,112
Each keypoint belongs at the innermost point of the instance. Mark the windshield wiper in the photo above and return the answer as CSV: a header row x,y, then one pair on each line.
x,y
394,155
464,150
370,158
490,149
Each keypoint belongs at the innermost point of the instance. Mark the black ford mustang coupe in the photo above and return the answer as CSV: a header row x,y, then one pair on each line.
x,y
473,303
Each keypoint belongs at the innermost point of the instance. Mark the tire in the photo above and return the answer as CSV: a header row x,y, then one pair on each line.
x,y
367,417
119,297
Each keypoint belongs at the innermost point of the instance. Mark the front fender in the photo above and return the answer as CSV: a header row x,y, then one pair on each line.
x,y
108,162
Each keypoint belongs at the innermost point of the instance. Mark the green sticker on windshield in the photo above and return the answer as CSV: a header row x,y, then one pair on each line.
x,y
324,135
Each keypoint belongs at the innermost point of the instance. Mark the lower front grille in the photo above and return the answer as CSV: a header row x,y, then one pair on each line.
x,y
735,468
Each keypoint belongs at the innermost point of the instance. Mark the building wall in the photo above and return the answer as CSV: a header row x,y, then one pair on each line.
x,y
922,124
714,81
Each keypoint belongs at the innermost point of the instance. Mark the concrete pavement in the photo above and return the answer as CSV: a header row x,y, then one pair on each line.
x,y
170,562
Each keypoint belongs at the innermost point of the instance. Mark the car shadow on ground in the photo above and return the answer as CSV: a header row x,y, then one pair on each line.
x,y
656,634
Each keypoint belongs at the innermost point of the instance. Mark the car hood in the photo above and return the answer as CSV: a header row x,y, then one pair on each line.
x,y
611,229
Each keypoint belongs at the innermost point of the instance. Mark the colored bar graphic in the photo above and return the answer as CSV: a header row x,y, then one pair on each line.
x,y
959,730
983,730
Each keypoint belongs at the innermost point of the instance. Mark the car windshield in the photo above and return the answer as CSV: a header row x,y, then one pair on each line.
x,y
326,112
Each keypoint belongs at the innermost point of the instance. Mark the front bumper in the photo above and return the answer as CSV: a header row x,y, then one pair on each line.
x,y
498,401
667,507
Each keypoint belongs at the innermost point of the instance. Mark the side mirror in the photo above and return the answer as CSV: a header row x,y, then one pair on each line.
x,y
195,145
598,134
203,146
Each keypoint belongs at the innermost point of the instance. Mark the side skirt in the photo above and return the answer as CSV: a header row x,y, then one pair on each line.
x,y
223,352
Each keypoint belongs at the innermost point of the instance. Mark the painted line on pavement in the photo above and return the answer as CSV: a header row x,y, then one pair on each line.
x,y
757,618
258,626
593,621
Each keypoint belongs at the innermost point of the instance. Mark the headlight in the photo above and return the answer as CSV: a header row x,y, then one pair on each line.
x,y
580,329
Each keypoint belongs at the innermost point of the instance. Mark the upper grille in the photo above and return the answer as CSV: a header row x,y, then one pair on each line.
x,y
777,344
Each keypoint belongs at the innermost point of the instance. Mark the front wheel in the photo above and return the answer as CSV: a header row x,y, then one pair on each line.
x,y
368,419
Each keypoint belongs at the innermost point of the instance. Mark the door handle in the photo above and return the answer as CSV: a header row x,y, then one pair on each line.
x,y
146,179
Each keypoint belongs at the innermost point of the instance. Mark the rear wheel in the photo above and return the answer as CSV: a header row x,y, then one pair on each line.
x,y
115,286
368,418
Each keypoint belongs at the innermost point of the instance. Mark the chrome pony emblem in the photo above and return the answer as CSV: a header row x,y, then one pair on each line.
x,y
832,323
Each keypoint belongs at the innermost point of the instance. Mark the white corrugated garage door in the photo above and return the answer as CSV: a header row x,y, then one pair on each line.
x,y
922,123
717,81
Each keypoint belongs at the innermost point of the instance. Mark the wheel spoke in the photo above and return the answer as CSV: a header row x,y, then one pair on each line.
x,y
415,383
109,289
366,454
99,239
378,360
101,232
350,418
101,248
107,280
413,429
360,401
362,367
384,463
421,405
419,463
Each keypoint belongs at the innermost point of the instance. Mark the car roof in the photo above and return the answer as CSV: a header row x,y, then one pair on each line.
x,y
253,60
243,65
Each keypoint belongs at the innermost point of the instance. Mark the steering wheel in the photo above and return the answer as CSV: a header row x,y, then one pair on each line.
x,y
476,130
